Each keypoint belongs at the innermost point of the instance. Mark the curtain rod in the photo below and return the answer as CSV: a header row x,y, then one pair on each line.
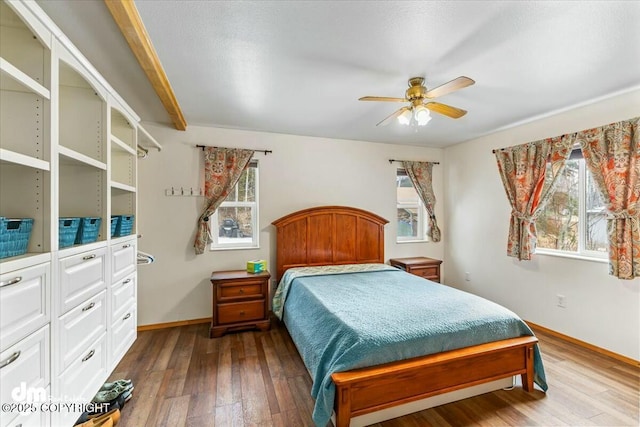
x,y
574,134
393,160
202,147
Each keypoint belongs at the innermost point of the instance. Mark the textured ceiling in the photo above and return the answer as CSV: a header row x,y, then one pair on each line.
x,y
299,67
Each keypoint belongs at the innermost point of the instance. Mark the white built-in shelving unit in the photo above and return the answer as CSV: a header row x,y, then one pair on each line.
x,y
68,148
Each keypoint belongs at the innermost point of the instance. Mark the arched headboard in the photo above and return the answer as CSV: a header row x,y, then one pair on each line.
x,y
329,235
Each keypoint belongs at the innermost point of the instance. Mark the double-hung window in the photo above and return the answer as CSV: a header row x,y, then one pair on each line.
x,y
234,225
412,215
574,222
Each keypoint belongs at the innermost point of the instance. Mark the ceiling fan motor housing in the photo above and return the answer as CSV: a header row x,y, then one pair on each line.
x,y
416,89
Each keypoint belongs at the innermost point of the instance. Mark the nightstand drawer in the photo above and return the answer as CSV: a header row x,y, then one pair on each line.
x,y
240,291
431,273
241,311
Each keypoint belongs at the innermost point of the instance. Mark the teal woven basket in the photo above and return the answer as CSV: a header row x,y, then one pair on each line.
x,y
114,224
125,225
67,231
14,236
88,230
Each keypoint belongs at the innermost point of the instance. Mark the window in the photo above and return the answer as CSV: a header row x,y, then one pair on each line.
x,y
412,215
575,219
234,225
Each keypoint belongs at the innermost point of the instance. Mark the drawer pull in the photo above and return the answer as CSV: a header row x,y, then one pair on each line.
x,y
11,282
88,257
89,307
242,313
10,360
124,282
127,316
241,291
128,245
89,356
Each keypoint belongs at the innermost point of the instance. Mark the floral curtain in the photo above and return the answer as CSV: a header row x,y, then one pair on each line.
x,y
222,169
612,154
523,169
420,175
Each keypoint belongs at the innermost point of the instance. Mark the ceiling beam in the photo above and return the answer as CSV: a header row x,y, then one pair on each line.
x,y
126,15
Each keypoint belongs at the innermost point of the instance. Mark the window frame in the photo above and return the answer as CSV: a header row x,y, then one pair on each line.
x,y
215,245
423,226
581,253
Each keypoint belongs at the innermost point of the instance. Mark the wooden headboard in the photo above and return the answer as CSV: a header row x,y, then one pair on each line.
x,y
328,235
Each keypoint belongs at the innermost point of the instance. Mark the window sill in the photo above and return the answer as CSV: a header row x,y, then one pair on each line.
x,y
572,256
412,241
234,248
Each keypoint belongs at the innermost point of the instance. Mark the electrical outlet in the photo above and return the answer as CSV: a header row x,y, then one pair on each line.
x,y
562,301
467,276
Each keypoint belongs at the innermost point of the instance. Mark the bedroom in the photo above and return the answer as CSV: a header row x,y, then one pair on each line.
x,y
472,209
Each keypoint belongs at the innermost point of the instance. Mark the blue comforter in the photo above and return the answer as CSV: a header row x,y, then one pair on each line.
x,y
351,320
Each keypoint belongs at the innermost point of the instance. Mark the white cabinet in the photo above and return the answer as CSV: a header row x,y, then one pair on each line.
x,y
81,276
68,148
24,366
123,259
24,298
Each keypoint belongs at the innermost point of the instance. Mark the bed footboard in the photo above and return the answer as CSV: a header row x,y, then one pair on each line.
x,y
366,390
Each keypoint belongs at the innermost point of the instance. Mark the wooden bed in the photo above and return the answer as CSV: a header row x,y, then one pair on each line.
x,y
332,235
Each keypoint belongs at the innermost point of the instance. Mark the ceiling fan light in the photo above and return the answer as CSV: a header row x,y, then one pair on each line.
x,y
422,115
405,117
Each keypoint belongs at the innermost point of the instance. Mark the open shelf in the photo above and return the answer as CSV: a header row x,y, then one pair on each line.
x,y
82,116
12,79
122,187
118,145
82,193
123,130
24,194
70,157
11,157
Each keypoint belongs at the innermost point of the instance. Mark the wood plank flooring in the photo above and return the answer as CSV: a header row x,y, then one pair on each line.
x,y
183,378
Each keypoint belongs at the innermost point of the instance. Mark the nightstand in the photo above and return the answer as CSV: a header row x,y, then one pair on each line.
x,y
428,268
240,301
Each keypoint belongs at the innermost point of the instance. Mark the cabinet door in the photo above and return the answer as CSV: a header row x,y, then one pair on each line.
x,y
81,277
123,259
123,295
79,327
83,379
24,303
123,333
24,366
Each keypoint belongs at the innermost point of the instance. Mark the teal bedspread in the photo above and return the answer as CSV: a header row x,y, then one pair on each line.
x,y
342,321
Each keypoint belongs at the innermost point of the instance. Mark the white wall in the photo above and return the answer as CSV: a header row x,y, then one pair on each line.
x,y
601,310
302,172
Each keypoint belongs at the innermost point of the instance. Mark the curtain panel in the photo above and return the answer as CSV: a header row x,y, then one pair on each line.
x,y
523,171
222,169
612,154
420,174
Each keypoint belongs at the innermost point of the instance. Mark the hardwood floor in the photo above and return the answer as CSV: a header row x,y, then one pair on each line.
x,y
183,378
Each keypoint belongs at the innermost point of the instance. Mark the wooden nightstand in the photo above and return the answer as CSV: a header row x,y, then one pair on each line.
x,y
428,268
240,301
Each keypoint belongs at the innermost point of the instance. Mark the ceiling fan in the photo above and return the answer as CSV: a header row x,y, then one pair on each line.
x,y
419,109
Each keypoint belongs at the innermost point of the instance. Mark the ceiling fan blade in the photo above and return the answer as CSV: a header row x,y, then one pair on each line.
x,y
447,110
392,116
382,98
449,87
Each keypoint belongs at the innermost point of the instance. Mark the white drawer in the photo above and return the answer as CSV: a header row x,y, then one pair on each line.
x,y
123,334
79,328
24,303
123,259
81,276
24,366
33,419
123,294
83,378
